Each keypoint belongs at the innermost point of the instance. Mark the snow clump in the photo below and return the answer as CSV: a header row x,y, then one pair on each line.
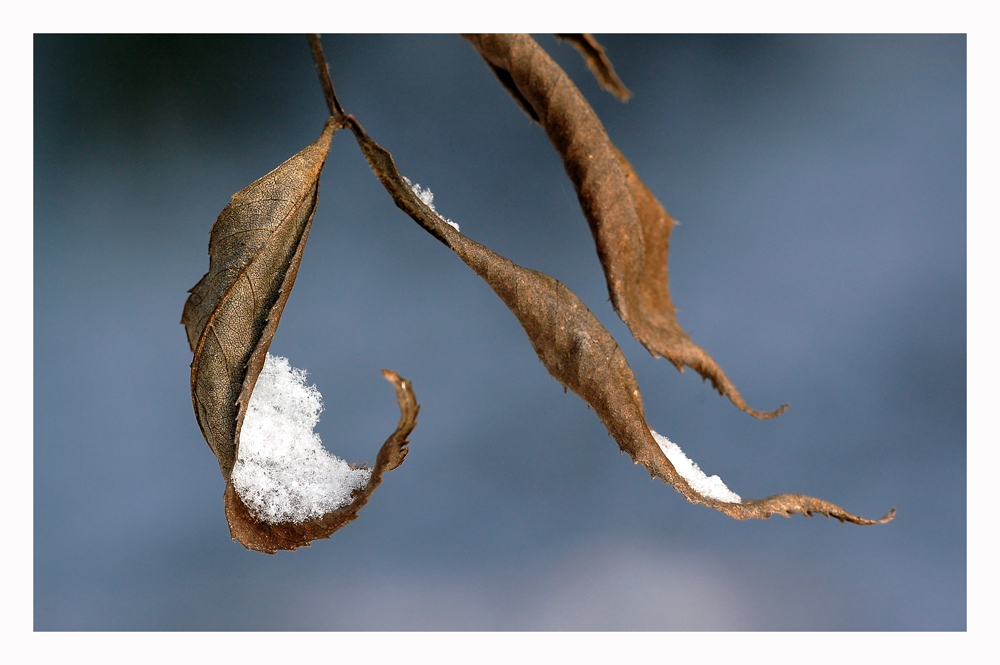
x,y
710,486
427,196
282,471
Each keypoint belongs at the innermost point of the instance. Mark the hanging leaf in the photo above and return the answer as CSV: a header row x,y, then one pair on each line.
x,y
255,534
231,316
631,229
576,349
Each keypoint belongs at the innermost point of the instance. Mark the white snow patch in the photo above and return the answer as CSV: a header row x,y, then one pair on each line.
x,y
282,471
427,196
710,486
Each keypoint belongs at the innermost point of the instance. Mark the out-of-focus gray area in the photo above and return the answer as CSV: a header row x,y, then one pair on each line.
x,y
820,185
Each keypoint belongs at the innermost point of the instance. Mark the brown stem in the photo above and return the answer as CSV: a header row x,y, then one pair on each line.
x,y
323,69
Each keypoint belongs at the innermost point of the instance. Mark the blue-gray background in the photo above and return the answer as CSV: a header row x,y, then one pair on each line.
x,y
820,183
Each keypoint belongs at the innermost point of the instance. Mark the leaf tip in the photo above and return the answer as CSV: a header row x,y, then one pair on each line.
x,y
888,517
767,415
762,415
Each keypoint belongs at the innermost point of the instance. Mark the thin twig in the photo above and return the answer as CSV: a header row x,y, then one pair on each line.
x,y
323,69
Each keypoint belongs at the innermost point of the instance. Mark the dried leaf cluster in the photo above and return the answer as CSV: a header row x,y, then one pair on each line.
x,y
257,242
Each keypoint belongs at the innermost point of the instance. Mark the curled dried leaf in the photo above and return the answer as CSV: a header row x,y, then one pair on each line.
x,y
593,54
261,536
631,229
576,348
231,316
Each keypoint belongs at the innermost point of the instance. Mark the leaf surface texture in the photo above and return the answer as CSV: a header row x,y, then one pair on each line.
x,y
231,316
631,229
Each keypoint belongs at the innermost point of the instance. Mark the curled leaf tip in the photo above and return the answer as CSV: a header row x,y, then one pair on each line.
x,y
675,344
888,517
653,455
790,504
598,63
256,534
396,447
763,415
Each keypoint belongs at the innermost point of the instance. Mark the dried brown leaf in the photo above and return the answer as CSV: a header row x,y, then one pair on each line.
x,y
262,536
576,348
631,229
231,316
593,54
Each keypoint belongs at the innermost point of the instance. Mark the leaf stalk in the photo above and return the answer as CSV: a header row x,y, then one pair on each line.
x,y
323,70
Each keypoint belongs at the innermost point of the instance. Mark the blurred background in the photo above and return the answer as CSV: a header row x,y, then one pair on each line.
x,y
820,185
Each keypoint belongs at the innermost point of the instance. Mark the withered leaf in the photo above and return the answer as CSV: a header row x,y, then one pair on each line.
x,y
576,348
257,535
593,54
631,229
231,316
